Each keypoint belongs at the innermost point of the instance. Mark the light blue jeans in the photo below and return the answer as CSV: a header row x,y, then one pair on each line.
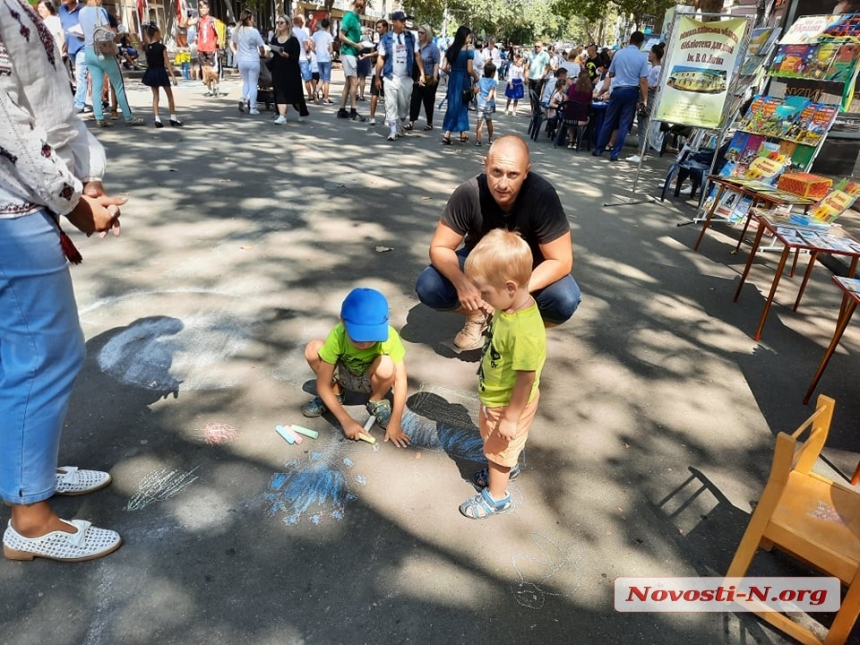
x,y
98,68
41,353
81,79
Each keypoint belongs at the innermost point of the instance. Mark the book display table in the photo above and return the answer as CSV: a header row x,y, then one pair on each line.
x,y
833,240
758,194
850,288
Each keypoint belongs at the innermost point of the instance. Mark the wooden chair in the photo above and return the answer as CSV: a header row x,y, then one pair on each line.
x,y
812,519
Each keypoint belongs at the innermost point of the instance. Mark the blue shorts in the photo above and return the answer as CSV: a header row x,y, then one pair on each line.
x,y
325,71
305,67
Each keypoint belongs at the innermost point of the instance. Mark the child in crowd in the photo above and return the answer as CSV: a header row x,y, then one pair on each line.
x,y
515,89
363,353
486,100
559,96
157,67
500,266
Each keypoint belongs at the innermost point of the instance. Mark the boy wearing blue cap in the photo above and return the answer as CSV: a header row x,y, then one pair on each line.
x,y
363,353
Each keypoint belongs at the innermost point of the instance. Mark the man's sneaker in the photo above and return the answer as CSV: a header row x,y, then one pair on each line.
x,y
342,114
316,408
471,336
371,121
87,109
634,159
253,111
281,120
381,410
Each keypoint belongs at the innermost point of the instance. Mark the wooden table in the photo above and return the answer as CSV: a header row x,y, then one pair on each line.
x,y
850,297
799,238
767,199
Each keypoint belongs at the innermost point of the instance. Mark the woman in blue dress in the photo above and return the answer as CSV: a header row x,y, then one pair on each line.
x,y
458,64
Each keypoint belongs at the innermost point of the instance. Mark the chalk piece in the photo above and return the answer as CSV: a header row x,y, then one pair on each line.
x,y
369,423
313,434
286,434
296,435
367,438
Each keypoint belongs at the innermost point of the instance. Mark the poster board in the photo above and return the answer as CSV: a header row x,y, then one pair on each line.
x,y
701,63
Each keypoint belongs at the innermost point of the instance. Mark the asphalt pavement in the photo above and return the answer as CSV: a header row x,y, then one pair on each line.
x,y
240,239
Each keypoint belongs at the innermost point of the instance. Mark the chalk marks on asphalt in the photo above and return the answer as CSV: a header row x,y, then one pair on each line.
x,y
158,486
547,566
218,433
314,489
161,352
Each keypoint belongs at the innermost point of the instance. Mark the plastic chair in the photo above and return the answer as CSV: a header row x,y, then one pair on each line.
x,y
811,518
537,115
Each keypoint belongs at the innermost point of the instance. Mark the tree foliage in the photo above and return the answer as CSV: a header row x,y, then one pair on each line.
x,y
517,20
593,10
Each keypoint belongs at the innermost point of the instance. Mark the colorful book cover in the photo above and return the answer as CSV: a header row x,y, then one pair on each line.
x,y
842,66
802,156
737,145
806,29
751,148
820,125
796,58
764,169
819,67
787,148
802,121
781,119
843,27
837,201
759,120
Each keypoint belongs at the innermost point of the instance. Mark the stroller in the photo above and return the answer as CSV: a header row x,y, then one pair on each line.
x,y
265,88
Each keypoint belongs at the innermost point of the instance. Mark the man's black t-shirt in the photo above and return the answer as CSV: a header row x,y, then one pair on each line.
x,y
537,214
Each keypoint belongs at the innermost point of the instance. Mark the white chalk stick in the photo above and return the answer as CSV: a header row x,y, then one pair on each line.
x,y
369,423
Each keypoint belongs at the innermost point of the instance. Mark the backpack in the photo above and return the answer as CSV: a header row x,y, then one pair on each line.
x,y
104,40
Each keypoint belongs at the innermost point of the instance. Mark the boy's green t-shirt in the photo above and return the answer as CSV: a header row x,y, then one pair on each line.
x,y
351,26
515,343
337,347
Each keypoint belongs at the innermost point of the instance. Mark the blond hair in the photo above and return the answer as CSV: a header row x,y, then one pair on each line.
x,y
501,255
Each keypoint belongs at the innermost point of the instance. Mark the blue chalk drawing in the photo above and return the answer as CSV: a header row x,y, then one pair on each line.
x,y
463,443
554,564
314,489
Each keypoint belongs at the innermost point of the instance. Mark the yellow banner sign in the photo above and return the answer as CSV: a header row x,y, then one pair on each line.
x,y
698,71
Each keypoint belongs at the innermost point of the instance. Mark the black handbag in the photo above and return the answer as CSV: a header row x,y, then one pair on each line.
x,y
468,95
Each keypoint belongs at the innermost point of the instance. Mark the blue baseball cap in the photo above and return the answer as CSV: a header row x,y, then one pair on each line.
x,y
365,315
399,15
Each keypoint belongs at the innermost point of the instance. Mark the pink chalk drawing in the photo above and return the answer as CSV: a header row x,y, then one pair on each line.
x,y
218,433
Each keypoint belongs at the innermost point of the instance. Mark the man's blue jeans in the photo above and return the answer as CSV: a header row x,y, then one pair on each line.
x,y
41,353
619,114
81,80
556,302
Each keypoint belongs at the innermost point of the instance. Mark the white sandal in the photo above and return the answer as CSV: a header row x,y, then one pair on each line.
x,y
86,543
72,481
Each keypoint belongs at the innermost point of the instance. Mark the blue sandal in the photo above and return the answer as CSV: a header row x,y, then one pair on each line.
x,y
483,505
481,479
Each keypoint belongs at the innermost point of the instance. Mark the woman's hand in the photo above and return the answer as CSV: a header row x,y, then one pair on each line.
x,y
97,214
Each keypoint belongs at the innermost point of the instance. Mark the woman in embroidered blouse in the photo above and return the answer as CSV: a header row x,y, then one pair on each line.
x,y
50,165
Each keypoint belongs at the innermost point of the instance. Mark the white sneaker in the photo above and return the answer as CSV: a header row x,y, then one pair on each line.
x,y
281,120
686,191
86,543
71,480
392,136
372,122
253,111
634,159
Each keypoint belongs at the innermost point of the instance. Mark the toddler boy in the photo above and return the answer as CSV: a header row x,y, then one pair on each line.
x,y
363,353
486,102
514,352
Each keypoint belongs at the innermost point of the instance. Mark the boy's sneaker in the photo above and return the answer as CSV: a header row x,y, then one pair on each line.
x,y
316,408
372,121
381,410
342,113
471,336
